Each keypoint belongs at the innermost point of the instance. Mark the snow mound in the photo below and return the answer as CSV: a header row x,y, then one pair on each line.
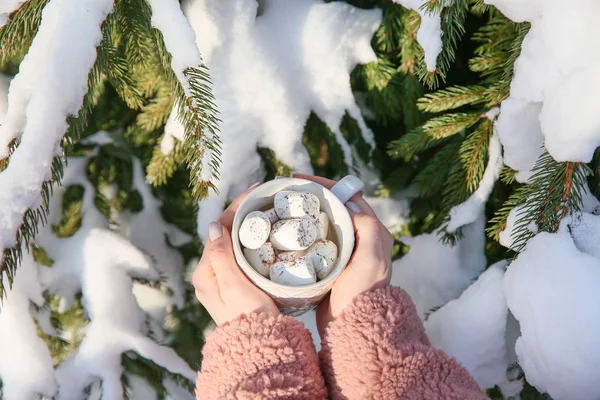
x,y
269,72
433,273
552,96
472,329
552,289
25,365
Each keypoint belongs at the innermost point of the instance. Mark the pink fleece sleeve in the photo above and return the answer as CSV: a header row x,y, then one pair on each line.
x,y
377,349
260,357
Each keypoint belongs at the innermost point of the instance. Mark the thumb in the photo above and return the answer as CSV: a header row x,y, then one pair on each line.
x,y
219,250
367,229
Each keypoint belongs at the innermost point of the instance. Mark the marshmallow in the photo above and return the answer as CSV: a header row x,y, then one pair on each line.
x,y
290,255
322,222
289,204
255,230
322,254
296,272
293,234
272,215
261,259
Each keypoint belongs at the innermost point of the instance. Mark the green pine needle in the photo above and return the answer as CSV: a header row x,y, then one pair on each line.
x,y
451,98
554,190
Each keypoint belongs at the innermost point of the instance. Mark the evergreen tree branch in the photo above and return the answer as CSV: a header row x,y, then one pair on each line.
x,y
554,190
17,35
163,166
198,115
451,98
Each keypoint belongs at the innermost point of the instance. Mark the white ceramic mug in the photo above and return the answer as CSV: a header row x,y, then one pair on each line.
x,y
295,300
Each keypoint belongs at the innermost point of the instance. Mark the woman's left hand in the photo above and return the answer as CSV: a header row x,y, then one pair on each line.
x,y
220,284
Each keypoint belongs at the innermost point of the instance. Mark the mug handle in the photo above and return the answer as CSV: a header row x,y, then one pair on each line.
x,y
347,187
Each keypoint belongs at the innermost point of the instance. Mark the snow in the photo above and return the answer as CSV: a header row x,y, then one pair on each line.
x,y
467,212
83,265
429,34
433,273
146,230
178,36
520,133
555,83
585,231
269,72
6,8
50,86
173,130
552,290
392,212
25,365
117,323
472,328
4,83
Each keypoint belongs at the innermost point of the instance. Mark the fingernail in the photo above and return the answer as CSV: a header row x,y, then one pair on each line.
x,y
215,231
254,185
352,206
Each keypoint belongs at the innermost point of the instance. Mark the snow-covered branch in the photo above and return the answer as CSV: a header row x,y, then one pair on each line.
x,y
50,86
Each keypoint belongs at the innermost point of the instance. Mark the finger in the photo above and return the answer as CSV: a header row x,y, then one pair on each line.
x,y
367,230
205,283
219,251
363,206
226,219
328,183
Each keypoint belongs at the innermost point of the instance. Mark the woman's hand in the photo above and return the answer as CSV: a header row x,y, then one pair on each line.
x,y
220,284
371,264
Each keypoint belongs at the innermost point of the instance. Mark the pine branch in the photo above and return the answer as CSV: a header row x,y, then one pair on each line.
x,y
29,227
198,115
474,152
431,179
450,124
163,166
116,66
432,133
554,190
412,55
156,112
133,26
453,15
451,98
17,35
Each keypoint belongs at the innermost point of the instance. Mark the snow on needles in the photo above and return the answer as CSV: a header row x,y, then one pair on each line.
x,y
49,87
470,210
178,36
555,85
269,72
429,34
6,8
117,323
94,261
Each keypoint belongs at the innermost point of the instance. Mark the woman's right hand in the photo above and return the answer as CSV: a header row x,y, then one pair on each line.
x,y
371,264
